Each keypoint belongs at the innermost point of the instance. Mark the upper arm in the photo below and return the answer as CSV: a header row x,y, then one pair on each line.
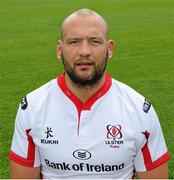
x,y
24,154
152,153
160,172
21,172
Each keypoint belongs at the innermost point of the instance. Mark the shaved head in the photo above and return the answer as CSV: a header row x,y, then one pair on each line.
x,y
84,48
84,13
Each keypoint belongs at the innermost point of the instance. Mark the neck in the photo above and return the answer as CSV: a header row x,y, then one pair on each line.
x,y
84,93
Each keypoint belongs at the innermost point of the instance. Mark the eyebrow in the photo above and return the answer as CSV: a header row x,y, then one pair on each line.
x,y
72,39
96,38
78,38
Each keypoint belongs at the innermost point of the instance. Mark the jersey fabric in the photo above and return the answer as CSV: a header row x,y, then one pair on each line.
x,y
112,135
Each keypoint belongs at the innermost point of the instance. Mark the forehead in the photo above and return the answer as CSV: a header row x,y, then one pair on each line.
x,y
79,26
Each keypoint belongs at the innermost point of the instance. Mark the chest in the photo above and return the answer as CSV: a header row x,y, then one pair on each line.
x,y
100,138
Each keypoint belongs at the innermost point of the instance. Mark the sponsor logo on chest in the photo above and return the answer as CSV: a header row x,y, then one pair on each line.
x,y
84,166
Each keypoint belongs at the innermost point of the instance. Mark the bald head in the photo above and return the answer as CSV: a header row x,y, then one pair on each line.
x,y
82,14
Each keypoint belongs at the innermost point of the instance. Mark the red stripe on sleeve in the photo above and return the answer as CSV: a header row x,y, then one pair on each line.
x,y
165,157
20,160
146,155
148,160
29,160
31,147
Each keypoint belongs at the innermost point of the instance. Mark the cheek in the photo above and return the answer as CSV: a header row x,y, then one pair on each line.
x,y
70,54
100,54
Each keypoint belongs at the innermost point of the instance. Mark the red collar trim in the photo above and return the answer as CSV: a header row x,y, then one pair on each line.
x,y
78,103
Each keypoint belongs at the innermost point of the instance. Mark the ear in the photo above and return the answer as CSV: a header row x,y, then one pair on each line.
x,y
111,47
59,49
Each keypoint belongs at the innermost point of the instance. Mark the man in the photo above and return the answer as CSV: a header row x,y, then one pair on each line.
x,y
84,124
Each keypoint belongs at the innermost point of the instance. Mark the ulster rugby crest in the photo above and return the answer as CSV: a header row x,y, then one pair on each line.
x,y
114,136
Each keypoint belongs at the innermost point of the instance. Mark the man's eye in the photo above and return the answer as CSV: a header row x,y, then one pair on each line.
x,y
73,42
96,42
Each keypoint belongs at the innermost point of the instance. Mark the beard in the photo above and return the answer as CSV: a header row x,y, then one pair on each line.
x,y
90,80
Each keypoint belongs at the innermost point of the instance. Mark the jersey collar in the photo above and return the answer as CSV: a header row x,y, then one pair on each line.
x,y
78,103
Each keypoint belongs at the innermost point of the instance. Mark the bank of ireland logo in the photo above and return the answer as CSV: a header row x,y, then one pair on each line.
x,y
114,136
82,154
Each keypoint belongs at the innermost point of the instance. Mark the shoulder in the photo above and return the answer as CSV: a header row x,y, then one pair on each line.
x,y
136,104
41,92
32,100
127,92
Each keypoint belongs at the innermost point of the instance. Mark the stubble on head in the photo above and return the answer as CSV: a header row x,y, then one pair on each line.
x,y
83,13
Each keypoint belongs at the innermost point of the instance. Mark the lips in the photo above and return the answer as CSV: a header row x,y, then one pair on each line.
x,y
84,63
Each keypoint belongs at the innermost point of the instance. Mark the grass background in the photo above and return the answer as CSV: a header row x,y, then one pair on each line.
x,y
144,58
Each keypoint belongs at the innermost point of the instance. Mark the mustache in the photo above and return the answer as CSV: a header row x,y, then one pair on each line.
x,y
85,60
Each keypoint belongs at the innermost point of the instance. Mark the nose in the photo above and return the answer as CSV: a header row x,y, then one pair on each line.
x,y
85,49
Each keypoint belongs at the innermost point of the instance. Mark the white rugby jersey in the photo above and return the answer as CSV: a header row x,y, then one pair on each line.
x,y
112,135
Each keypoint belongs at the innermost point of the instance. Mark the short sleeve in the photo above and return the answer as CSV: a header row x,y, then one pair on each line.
x,y
23,150
154,151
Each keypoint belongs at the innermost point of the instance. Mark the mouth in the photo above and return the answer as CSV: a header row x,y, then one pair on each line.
x,y
84,64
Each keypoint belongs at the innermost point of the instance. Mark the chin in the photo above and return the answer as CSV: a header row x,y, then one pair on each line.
x,y
85,76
